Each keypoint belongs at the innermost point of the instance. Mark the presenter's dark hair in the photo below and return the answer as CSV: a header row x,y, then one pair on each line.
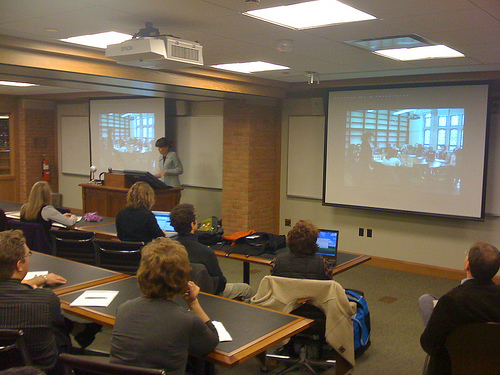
x,y
181,218
484,261
301,240
163,142
164,269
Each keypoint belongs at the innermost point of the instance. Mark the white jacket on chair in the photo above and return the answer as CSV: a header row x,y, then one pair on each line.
x,y
284,294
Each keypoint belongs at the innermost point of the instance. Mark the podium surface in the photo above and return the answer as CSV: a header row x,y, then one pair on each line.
x,y
111,197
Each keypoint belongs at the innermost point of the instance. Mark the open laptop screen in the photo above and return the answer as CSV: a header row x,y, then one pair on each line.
x,y
328,242
163,219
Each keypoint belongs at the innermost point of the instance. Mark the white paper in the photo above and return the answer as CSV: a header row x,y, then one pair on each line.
x,y
13,214
97,298
222,331
32,274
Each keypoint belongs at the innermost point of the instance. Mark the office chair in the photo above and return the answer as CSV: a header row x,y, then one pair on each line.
x,y
13,350
474,349
202,278
322,300
120,256
3,220
77,365
74,245
36,236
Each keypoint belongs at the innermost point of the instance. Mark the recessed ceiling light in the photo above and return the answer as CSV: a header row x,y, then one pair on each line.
x,y
420,53
101,40
310,14
250,67
17,84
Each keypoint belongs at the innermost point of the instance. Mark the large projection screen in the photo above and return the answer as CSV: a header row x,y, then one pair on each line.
x,y
123,133
409,149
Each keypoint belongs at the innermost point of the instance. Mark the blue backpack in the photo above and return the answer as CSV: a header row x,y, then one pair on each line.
x,y
360,321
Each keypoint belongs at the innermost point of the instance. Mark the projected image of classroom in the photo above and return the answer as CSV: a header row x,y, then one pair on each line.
x,y
420,149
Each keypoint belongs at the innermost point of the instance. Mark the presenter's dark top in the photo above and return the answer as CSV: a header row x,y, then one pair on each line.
x,y
137,224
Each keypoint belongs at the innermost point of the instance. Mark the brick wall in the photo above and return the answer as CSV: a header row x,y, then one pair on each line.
x,y
250,175
37,132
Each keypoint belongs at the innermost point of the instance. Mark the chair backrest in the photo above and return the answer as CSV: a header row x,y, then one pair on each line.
x,y
79,365
202,278
120,256
36,236
13,350
74,245
474,349
3,220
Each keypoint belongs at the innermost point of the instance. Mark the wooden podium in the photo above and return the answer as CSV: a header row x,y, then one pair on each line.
x,y
111,197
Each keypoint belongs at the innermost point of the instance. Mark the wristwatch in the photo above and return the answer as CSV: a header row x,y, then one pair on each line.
x,y
45,278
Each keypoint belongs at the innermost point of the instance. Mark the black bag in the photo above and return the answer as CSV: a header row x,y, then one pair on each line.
x,y
212,232
268,241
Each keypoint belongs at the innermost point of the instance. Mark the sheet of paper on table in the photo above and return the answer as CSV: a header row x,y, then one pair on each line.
x,y
97,298
31,274
222,331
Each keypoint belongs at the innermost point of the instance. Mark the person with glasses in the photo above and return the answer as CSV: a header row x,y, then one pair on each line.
x,y
37,311
475,300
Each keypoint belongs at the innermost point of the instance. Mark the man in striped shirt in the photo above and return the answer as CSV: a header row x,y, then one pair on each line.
x,y
36,311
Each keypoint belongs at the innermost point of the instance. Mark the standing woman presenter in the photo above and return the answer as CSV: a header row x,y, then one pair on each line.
x,y
169,164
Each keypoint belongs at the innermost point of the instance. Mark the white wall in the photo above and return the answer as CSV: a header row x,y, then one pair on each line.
x,y
433,241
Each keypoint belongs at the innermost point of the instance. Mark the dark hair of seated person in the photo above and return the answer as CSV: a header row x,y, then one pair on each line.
x,y
301,240
181,218
484,261
164,269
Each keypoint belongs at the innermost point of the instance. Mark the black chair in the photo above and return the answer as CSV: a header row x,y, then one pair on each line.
x,y
13,350
74,245
474,349
75,365
118,256
36,236
202,278
3,220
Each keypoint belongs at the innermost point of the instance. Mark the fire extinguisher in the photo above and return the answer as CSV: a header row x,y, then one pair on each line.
x,y
46,168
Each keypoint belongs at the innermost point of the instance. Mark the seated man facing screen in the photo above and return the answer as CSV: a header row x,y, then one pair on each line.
x,y
183,218
302,262
153,331
36,311
475,300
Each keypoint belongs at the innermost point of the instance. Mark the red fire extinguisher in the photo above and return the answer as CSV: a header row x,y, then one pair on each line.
x,y
46,168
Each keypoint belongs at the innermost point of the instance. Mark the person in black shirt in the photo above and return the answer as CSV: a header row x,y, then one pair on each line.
x,y
136,222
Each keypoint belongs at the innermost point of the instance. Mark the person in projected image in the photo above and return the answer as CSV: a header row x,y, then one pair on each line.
x,y
169,164
475,300
391,158
365,159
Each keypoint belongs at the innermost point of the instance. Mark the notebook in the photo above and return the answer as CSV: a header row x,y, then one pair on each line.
x,y
328,242
163,220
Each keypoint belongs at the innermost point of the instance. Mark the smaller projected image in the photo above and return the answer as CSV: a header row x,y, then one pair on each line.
x,y
123,135
415,149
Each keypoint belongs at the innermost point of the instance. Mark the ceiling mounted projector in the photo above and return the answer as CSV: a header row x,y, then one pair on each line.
x,y
148,49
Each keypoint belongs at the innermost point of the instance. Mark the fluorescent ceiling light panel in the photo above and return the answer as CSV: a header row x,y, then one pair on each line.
x,y
100,40
250,67
420,53
17,84
310,14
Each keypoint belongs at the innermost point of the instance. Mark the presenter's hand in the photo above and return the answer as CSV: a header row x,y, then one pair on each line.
x,y
161,174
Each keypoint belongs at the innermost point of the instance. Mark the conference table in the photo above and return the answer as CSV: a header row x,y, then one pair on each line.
x,y
253,329
106,229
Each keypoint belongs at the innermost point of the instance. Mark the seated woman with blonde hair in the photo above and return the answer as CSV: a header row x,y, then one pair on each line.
x,y
153,330
39,208
136,222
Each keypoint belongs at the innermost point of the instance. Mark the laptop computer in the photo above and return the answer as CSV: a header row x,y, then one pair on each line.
x,y
163,220
327,242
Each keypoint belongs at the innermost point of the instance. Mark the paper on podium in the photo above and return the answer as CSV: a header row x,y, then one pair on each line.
x,y
97,298
221,331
